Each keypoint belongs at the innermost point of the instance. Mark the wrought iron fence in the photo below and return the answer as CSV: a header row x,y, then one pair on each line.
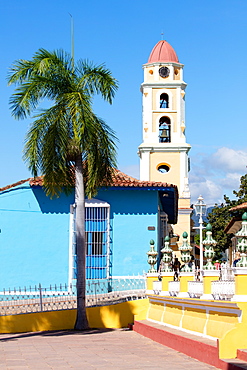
x,y
60,297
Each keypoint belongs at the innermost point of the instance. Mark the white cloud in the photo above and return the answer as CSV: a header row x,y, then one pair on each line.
x,y
216,174
231,181
211,192
227,159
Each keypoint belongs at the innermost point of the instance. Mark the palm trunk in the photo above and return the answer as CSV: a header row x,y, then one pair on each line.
x,y
81,319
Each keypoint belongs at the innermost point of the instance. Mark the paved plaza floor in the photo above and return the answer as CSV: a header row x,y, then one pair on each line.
x,y
92,349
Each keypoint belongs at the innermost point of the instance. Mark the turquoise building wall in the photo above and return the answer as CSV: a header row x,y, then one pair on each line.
x,y
34,237
132,212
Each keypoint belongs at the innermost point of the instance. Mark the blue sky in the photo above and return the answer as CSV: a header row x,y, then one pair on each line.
x,y
210,40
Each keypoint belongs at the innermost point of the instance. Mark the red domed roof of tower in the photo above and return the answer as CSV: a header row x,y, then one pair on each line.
x,y
163,52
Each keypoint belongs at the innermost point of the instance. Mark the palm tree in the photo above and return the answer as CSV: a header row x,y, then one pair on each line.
x,y
66,142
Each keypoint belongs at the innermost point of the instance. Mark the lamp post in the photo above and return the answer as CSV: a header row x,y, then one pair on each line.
x,y
200,208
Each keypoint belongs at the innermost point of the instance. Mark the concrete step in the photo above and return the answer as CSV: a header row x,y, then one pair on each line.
x,y
234,364
202,349
242,354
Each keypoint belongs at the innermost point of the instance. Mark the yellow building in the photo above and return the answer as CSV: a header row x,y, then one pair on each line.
x,y
164,151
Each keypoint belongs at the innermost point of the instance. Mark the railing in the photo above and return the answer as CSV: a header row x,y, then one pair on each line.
x,y
195,289
157,287
36,299
227,273
224,289
60,297
174,288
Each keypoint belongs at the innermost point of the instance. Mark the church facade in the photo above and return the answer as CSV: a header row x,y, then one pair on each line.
x,y
164,151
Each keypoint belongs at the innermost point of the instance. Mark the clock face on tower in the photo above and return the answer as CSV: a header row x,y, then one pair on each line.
x,y
164,72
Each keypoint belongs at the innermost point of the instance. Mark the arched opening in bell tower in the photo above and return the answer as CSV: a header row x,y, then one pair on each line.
x,y
164,100
164,130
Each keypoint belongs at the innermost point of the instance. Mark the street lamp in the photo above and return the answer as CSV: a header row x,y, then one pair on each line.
x,y
201,209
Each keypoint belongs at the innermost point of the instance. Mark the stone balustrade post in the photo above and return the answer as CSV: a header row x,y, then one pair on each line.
x,y
152,274
166,270
209,272
186,273
240,271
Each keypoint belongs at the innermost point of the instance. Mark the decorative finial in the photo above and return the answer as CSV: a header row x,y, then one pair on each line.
x,y
209,244
185,250
167,255
152,257
244,216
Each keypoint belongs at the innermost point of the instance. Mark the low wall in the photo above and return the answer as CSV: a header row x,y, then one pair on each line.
x,y
220,320
113,316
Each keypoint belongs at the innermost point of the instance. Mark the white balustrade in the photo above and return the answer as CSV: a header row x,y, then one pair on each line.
x,y
157,287
174,288
195,289
226,273
224,289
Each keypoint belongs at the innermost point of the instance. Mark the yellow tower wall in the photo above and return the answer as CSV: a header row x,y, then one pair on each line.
x,y
173,160
156,95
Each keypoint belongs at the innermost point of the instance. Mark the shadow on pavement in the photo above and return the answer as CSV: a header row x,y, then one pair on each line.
x,y
55,333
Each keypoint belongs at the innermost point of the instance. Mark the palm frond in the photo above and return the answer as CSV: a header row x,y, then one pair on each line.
x,y
69,128
99,156
97,80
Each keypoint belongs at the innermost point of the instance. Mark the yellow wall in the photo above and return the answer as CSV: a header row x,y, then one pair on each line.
x,y
194,319
113,316
184,203
182,225
149,75
184,282
150,280
240,284
172,315
216,319
173,176
177,76
207,281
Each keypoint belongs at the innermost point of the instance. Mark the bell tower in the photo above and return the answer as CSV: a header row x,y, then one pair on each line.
x,y
164,151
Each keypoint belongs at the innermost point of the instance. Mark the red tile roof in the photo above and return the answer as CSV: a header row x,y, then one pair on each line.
x,y
120,179
163,52
13,185
240,206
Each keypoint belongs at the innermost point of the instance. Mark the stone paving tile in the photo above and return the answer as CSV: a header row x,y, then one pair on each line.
x,y
96,349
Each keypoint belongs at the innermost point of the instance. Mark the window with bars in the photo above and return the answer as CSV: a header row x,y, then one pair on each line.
x,y
97,228
94,240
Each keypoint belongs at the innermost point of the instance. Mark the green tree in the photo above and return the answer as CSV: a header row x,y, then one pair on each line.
x,y
66,142
221,216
